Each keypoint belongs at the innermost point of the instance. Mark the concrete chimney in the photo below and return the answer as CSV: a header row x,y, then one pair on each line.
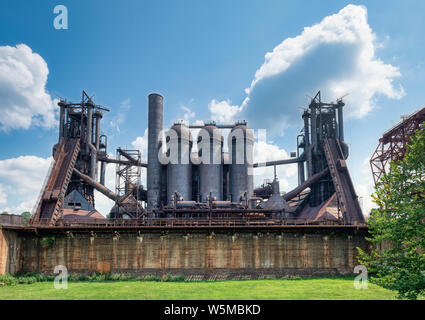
x,y
155,120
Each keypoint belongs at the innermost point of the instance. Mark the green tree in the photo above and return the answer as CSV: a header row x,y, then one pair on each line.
x,y
397,228
25,217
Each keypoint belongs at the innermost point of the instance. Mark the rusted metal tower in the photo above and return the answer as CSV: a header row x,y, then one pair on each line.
x,y
392,145
127,175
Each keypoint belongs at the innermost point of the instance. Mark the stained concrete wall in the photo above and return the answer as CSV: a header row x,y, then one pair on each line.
x,y
10,249
201,255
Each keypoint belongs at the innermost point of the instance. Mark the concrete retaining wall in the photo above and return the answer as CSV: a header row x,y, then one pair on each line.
x,y
202,255
10,250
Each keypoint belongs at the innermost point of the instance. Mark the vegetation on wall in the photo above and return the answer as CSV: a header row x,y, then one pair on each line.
x,y
47,242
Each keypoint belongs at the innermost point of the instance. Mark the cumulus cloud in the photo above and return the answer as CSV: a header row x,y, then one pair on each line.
x,y
223,111
337,56
21,180
141,143
23,97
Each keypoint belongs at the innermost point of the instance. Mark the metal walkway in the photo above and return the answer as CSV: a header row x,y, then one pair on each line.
x,y
344,188
52,196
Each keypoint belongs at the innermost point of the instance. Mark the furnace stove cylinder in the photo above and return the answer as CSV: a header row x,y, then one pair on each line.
x,y
210,145
179,169
241,143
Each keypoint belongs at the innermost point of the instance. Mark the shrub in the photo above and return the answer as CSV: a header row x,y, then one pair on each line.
x,y
47,242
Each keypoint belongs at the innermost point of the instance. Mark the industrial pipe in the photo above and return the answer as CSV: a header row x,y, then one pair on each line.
x,y
123,162
291,194
102,189
61,120
90,148
132,161
306,130
89,127
280,162
340,124
102,173
313,126
219,126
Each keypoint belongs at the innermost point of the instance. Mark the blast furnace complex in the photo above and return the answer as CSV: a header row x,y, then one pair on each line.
x,y
199,214
204,184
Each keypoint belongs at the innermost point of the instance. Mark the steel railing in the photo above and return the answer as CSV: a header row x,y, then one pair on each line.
x,y
186,222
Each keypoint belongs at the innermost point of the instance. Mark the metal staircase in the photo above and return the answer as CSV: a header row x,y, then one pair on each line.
x,y
53,195
344,187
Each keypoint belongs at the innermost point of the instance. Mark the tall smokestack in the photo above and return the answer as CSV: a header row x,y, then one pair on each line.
x,y
155,118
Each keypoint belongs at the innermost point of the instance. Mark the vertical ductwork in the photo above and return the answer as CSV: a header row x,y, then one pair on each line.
x,y
89,127
97,116
307,148
313,126
61,120
155,120
340,123
90,148
306,131
103,147
102,173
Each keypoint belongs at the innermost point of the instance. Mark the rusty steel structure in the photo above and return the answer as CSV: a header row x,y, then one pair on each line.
x,y
191,192
76,151
73,174
392,145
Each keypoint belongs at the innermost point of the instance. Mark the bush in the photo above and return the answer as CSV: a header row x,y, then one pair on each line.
x,y
7,280
32,277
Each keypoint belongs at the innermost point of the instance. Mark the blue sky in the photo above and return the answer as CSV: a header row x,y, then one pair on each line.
x,y
194,52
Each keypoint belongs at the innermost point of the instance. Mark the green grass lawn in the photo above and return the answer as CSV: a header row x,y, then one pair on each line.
x,y
282,289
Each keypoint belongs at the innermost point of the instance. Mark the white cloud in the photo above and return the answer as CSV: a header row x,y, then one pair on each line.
x,y
23,97
365,187
3,195
188,114
141,143
119,118
21,180
102,203
336,56
223,111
